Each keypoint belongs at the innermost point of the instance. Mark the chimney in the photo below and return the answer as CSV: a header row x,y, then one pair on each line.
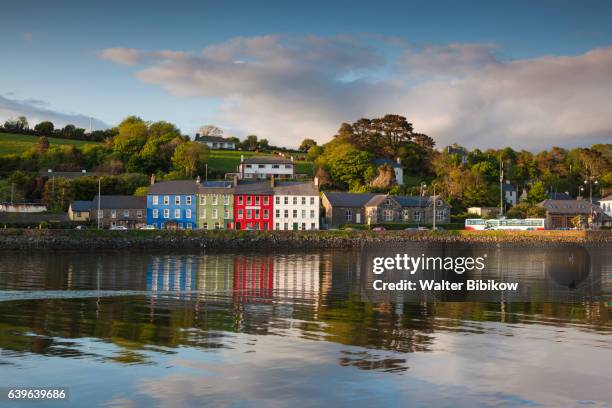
x,y
316,181
272,181
152,179
235,181
198,179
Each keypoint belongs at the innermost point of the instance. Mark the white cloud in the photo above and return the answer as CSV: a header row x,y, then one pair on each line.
x,y
288,88
37,111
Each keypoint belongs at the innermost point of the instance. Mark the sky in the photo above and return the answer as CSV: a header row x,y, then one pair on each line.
x,y
530,75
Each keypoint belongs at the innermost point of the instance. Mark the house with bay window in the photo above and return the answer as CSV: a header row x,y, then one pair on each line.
x,y
296,206
173,204
216,205
253,205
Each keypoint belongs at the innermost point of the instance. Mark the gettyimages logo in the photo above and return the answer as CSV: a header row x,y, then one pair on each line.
x,y
412,264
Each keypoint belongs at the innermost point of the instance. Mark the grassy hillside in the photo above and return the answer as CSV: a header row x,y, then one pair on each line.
x,y
14,144
227,161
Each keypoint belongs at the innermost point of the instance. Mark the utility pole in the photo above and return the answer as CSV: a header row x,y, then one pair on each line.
x,y
12,191
501,187
99,196
434,206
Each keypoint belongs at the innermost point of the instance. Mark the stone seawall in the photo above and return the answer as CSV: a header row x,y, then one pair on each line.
x,y
20,239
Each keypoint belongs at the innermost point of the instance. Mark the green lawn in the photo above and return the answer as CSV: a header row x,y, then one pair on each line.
x,y
15,144
226,161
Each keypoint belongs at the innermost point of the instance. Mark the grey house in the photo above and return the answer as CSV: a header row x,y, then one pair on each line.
x,y
348,208
115,210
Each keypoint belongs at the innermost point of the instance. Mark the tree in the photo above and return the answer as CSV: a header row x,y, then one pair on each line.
x,y
210,130
323,176
141,191
307,144
17,125
132,136
44,128
250,143
263,144
537,193
189,156
68,131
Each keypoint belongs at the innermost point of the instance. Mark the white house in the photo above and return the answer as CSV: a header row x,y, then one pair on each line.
x,y
216,142
296,206
264,167
397,168
606,205
510,193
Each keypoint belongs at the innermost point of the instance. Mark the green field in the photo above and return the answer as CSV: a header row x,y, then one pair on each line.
x,y
15,144
226,161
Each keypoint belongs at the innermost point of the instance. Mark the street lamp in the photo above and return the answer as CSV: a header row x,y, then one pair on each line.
x,y
590,181
580,190
423,187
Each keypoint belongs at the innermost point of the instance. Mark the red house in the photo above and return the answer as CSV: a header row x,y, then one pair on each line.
x,y
253,205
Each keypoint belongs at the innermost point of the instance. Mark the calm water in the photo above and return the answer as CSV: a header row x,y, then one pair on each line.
x,y
124,329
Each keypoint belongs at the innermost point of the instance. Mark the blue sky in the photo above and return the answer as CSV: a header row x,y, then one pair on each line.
x,y
330,62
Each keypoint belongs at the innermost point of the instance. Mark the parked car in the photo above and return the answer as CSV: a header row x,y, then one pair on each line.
x,y
119,228
379,229
147,227
411,229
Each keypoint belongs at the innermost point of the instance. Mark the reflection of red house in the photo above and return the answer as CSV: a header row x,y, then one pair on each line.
x,y
253,206
253,278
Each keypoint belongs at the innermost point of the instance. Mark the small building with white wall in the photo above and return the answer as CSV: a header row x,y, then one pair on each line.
x,y
265,167
296,205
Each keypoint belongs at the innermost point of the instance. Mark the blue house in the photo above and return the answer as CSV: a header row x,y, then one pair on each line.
x,y
173,204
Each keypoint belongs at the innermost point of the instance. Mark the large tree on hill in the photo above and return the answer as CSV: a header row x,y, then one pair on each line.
x,y
210,130
44,128
307,144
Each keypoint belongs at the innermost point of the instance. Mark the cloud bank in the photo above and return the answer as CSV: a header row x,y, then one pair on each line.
x,y
37,111
289,88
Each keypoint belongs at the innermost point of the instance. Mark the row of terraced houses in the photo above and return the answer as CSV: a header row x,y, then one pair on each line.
x,y
244,205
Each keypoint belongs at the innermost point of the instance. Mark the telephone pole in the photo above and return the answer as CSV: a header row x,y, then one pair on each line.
x,y
501,187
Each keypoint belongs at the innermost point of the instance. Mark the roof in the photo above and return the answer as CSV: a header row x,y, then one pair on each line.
x,y
217,187
508,187
569,206
119,201
267,160
80,205
383,160
343,199
305,188
218,139
559,196
413,201
260,187
180,187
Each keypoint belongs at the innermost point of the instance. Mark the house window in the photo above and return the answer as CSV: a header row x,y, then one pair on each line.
x,y
275,166
388,215
240,214
177,200
348,215
188,200
139,214
226,214
312,213
287,166
155,213
205,226
249,214
248,166
257,214
439,215
303,213
166,213
277,226
177,213
303,200
303,226
312,201
166,200
226,199
261,166
202,212
78,213
265,200
286,213
388,202
113,213
286,200
240,199
286,226
266,214
277,213
294,213
313,226
257,200
126,213
213,200
294,200
417,216
249,200
189,226
155,200
187,213
214,213
277,200
203,199
217,226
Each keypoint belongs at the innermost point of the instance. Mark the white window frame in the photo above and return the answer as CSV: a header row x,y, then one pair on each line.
x,y
166,200
166,213
155,213
177,211
188,200
155,200
177,200
188,213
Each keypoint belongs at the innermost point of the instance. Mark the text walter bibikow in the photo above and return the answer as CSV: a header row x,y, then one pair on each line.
x,y
406,264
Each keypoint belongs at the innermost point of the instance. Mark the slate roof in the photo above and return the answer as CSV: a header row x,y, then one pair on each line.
x,y
342,199
304,188
80,205
217,139
259,187
569,206
384,160
217,187
559,196
108,202
413,201
178,187
267,160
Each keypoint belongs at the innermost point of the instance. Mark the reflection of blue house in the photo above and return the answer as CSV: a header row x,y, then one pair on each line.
x,y
173,204
172,274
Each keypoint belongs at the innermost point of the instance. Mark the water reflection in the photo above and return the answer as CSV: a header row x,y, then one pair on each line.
x,y
293,324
